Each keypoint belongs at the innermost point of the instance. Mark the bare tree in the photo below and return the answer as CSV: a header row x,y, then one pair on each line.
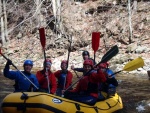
x,y
4,32
54,5
38,13
5,21
130,21
2,23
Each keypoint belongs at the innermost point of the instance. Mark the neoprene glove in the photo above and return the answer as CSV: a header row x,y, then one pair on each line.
x,y
9,62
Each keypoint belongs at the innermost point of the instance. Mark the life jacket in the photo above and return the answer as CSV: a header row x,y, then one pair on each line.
x,y
62,79
17,88
92,88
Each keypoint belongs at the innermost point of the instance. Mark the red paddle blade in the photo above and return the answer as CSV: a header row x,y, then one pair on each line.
x,y
95,41
42,37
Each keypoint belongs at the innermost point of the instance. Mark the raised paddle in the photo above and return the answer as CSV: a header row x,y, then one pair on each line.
x,y
69,50
95,42
19,70
111,53
43,43
132,65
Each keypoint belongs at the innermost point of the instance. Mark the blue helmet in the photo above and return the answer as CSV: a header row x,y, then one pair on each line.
x,y
28,62
110,72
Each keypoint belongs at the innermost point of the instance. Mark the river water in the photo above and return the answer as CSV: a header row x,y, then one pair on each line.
x,y
134,90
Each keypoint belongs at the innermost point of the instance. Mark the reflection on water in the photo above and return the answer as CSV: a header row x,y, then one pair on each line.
x,y
134,89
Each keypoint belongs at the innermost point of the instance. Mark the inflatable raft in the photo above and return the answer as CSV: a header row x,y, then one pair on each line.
x,y
36,102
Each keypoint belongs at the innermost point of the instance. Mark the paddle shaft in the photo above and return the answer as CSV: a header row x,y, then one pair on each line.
x,y
69,52
94,57
67,64
43,43
116,73
21,72
47,81
48,85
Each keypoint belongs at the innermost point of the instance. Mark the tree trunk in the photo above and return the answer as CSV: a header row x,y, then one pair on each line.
x,y
54,7
130,23
5,22
38,9
58,14
58,10
2,24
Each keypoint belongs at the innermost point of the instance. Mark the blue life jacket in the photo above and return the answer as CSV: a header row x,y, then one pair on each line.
x,y
110,72
105,87
62,79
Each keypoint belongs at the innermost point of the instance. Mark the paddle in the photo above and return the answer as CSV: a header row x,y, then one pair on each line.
x,y
132,65
43,43
95,42
19,70
43,40
69,51
69,56
111,53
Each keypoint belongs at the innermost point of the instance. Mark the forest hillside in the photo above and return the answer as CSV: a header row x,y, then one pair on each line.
x,y
71,22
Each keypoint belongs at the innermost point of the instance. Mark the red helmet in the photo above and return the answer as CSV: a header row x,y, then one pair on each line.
x,y
88,62
103,65
64,61
107,63
48,62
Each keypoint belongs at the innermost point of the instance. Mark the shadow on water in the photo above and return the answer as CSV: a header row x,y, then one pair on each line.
x,y
132,88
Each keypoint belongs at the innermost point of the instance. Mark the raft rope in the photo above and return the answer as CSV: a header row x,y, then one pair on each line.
x,y
95,107
23,97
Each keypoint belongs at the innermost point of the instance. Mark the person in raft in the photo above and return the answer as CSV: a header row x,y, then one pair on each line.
x,y
21,82
86,90
46,78
64,78
108,88
85,56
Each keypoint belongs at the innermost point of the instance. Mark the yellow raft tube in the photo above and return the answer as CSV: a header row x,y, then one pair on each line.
x,y
36,102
